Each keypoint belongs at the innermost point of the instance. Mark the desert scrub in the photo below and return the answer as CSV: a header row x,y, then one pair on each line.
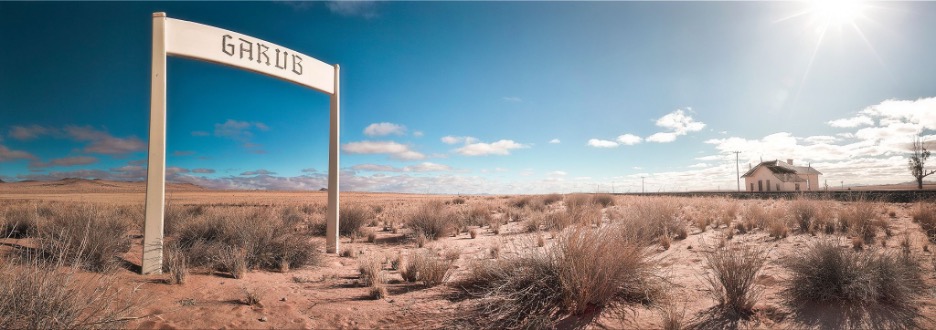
x,y
19,221
353,217
804,211
860,219
36,293
266,240
826,272
88,236
587,269
431,220
925,215
652,217
732,278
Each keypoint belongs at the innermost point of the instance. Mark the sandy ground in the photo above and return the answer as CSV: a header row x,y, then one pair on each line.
x,y
329,296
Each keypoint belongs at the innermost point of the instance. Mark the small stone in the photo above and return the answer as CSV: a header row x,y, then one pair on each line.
x,y
263,319
283,299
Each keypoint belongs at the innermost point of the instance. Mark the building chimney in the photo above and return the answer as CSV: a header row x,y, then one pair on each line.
x,y
789,161
749,166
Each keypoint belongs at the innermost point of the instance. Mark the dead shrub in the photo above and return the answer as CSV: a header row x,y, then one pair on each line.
x,y
38,294
587,269
860,219
925,215
430,219
604,200
777,228
804,211
86,235
551,199
264,238
252,297
431,269
175,264
825,272
352,218
458,201
19,221
371,269
755,212
649,218
732,278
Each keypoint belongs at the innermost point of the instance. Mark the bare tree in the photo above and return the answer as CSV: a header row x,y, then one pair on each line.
x,y
917,163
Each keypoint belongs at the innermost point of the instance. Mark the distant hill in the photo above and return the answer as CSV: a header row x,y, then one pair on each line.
x,y
84,185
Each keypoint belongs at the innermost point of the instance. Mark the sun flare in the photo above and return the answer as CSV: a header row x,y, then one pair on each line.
x,y
835,13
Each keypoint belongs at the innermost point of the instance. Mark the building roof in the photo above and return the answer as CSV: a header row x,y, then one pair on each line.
x,y
785,172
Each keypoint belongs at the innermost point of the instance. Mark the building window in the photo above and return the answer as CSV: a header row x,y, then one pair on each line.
x,y
752,186
796,186
768,185
760,185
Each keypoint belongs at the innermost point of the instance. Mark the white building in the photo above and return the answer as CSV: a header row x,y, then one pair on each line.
x,y
775,175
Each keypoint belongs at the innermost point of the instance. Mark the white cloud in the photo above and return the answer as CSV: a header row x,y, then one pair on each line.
x,y
699,165
427,167
31,132
258,172
6,154
678,123
381,129
458,139
628,139
502,147
423,167
66,161
555,141
558,173
861,120
103,143
598,143
662,137
418,134
395,150
237,130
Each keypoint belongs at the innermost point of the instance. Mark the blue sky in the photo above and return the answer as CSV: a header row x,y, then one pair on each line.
x,y
478,97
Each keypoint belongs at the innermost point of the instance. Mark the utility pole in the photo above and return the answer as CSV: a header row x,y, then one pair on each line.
x,y
737,169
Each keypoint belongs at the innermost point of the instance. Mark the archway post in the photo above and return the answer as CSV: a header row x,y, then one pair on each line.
x,y
197,41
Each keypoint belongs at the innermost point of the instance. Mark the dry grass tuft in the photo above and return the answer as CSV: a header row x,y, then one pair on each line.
x,y
861,219
252,297
353,217
431,269
587,269
431,219
89,236
804,211
825,272
732,278
19,221
175,264
925,215
38,294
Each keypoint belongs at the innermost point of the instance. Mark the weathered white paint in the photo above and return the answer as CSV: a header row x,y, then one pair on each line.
x,y
156,168
208,43
331,217
762,174
202,42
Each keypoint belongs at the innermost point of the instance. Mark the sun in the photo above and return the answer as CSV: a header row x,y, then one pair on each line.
x,y
836,13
